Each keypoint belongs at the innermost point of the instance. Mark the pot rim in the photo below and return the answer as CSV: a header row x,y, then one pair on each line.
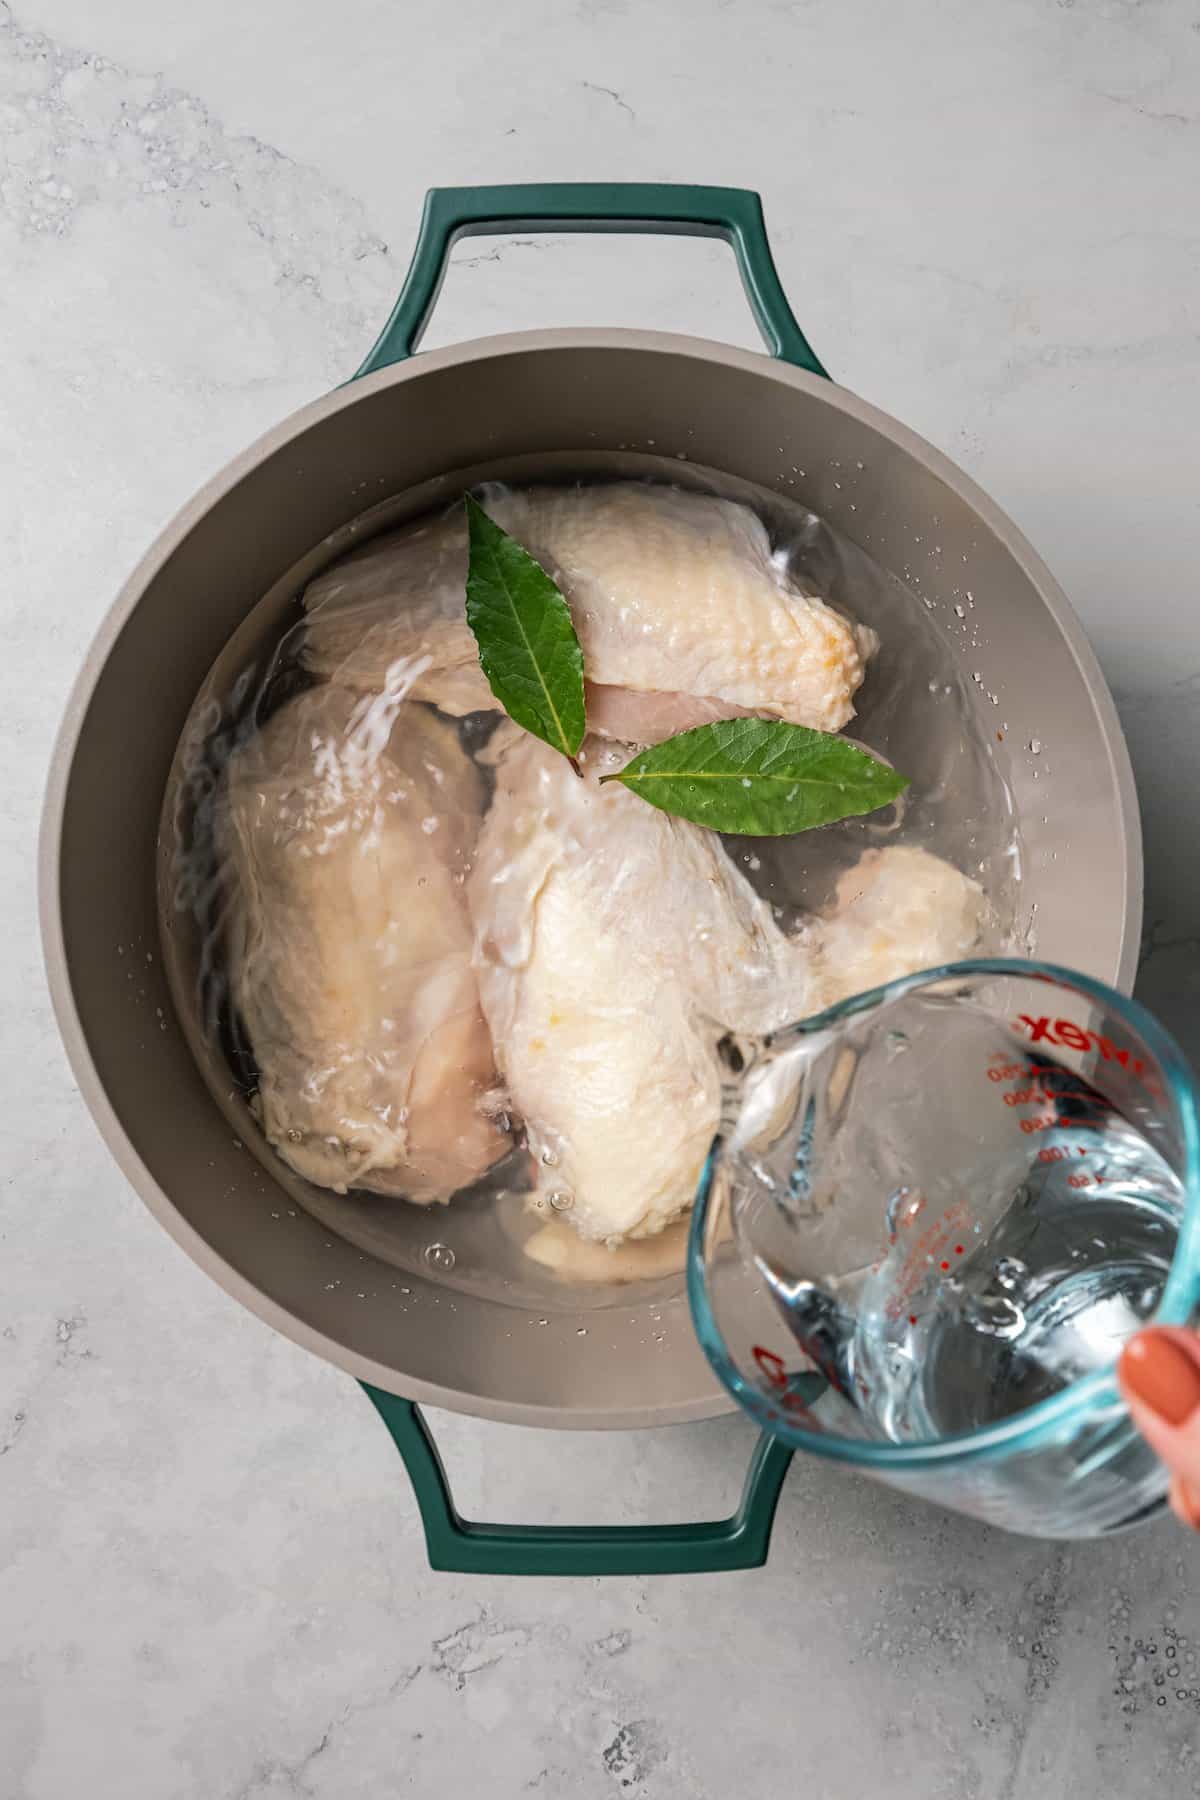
x,y
277,437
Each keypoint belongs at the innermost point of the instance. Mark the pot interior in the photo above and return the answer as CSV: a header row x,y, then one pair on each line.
x,y
963,616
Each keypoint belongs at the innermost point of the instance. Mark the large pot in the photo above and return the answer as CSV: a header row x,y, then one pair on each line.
x,y
406,432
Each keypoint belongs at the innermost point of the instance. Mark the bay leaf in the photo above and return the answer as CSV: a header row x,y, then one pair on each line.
x,y
760,777
528,649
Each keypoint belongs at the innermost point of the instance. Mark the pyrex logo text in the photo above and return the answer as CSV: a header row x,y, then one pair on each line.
x,y
1069,1036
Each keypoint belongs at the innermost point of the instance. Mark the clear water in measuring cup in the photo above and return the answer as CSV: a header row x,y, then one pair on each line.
x,y
966,1228
1052,1292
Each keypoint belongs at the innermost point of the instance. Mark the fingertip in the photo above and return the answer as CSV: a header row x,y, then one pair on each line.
x,y
1184,1501
1160,1367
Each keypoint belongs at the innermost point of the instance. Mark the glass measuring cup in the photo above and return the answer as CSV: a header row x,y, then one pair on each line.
x,y
934,1215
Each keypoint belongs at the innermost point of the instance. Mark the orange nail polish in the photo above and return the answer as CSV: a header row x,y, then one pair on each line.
x,y
1159,1372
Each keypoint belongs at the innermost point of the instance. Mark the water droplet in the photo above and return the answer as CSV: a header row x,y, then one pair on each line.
x,y
1035,746
582,1332
561,1200
902,1209
429,825
549,1158
960,612
543,1321
440,1257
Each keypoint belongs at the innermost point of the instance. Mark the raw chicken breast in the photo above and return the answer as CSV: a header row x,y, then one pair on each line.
x,y
897,911
682,612
615,944
393,615
348,824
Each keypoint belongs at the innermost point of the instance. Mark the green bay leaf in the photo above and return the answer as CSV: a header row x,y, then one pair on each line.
x,y
760,777
527,644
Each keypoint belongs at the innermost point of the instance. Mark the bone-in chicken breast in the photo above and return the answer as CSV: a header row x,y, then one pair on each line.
x,y
897,911
682,612
347,825
615,943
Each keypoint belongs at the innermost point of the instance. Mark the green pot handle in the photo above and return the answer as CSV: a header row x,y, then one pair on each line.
x,y
739,1542
734,214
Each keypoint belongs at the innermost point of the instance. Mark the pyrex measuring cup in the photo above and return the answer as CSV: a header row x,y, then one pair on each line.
x,y
935,1214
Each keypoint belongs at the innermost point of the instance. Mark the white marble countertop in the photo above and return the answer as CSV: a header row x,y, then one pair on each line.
x,y
212,1582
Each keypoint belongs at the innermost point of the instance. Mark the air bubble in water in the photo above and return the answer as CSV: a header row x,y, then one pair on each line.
x,y
993,1315
1008,1271
549,1158
561,1200
1035,746
440,1257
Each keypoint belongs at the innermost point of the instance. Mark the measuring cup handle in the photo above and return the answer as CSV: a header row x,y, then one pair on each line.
x,y
468,1547
734,214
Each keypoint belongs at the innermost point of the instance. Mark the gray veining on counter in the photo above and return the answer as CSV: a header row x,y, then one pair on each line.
x,y
212,1585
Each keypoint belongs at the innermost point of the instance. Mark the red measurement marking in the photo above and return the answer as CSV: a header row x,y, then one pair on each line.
x,y
958,1249
945,1265
912,1318
771,1366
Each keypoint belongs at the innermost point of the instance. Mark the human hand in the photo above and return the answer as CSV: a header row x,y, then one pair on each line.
x,y
1159,1372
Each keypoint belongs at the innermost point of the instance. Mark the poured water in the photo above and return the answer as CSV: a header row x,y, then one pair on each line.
x,y
987,1325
